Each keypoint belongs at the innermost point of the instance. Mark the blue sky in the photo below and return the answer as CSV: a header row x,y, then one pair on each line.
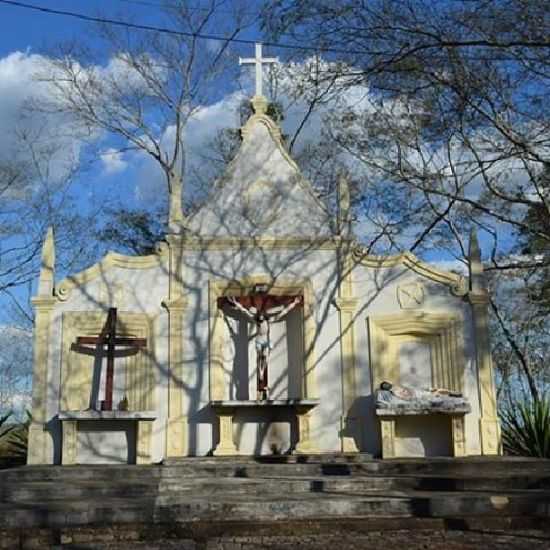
x,y
114,177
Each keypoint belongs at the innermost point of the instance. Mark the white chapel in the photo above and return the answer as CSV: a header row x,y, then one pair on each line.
x,y
260,326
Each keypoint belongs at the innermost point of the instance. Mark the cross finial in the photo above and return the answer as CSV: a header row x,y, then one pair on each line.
x,y
259,62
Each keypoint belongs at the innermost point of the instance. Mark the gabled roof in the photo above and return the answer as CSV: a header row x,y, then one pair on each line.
x,y
262,193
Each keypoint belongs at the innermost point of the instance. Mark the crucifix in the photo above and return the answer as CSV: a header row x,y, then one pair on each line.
x,y
116,347
262,309
259,62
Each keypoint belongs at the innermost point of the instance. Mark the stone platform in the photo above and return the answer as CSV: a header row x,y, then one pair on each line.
x,y
313,502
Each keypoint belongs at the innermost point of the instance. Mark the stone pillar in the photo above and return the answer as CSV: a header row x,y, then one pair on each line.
x,y
458,431
304,444
176,425
40,441
489,427
226,445
387,432
143,441
347,306
40,448
69,449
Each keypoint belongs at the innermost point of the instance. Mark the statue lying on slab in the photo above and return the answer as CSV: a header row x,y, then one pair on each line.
x,y
393,399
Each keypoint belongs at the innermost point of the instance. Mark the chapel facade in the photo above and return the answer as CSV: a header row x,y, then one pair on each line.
x,y
144,358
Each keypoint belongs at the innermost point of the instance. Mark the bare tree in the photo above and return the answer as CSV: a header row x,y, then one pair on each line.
x,y
454,133
154,83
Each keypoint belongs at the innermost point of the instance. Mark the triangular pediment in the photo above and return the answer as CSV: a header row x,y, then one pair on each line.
x,y
262,193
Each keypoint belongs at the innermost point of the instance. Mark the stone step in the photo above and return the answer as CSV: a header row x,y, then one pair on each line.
x,y
41,491
307,466
352,484
182,508
498,533
25,491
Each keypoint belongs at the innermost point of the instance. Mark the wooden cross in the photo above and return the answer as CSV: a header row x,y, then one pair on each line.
x,y
259,62
128,346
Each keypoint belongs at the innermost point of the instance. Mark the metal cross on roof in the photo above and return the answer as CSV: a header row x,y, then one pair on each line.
x,y
259,62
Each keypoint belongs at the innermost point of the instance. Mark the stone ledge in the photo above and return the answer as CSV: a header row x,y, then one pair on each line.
x,y
230,404
92,414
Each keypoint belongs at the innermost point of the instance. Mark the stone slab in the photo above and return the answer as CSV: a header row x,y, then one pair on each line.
x,y
92,414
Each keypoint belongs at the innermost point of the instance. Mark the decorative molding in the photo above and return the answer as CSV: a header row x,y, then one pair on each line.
x,y
77,369
478,298
275,133
267,243
179,304
272,128
346,303
440,330
109,261
457,283
43,303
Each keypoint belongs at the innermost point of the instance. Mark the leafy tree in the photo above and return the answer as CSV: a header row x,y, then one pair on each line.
x,y
455,118
132,231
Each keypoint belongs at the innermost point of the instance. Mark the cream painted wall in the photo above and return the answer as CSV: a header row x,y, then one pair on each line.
x,y
377,292
264,196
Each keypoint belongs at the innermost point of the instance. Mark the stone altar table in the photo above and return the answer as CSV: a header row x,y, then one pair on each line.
x,y
389,408
226,410
142,421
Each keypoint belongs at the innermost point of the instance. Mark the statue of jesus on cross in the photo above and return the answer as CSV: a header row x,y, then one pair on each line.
x,y
263,318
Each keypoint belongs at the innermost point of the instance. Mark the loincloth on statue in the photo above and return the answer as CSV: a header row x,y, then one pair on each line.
x,y
263,345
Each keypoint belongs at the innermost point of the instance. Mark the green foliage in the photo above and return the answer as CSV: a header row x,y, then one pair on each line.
x,y
13,437
526,428
132,231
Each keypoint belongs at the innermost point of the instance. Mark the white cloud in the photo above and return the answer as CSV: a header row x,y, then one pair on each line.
x,y
113,161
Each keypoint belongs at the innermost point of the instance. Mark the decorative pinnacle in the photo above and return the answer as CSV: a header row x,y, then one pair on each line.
x,y
476,265
47,265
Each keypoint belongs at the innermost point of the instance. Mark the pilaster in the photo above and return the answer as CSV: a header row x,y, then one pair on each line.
x,y
40,442
489,427
143,441
176,425
347,307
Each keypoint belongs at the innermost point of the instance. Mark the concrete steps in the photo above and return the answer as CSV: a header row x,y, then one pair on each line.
x,y
280,489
